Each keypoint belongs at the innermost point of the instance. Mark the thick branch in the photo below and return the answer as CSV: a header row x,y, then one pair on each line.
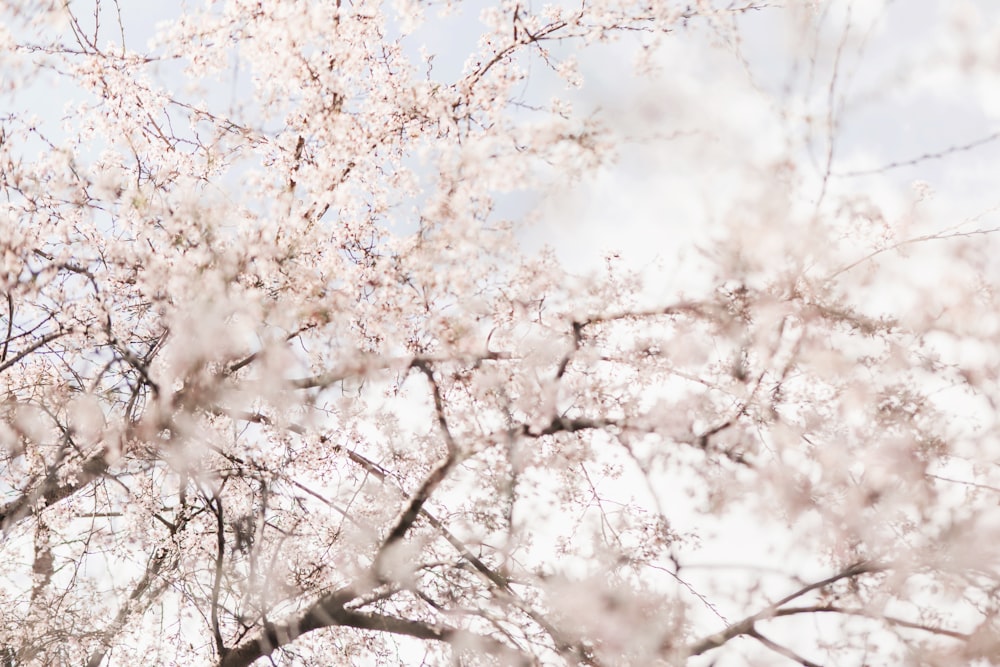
x,y
329,611
220,535
50,491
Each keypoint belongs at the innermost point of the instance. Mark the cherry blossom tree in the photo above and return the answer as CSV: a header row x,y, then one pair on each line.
x,y
286,377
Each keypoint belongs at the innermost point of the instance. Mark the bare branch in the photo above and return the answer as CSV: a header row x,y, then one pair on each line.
x,y
746,625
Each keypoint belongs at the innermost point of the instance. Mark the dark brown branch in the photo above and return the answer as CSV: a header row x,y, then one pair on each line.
x,y
50,491
432,481
44,340
10,327
329,611
220,534
781,650
365,366
563,425
42,564
696,308
577,339
890,620
416,504
746,626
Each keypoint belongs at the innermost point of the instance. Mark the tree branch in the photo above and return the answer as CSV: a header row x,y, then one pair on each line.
x,y
217,580
781,650
50,491
746,626
329,611
44,340
432,481
891,620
